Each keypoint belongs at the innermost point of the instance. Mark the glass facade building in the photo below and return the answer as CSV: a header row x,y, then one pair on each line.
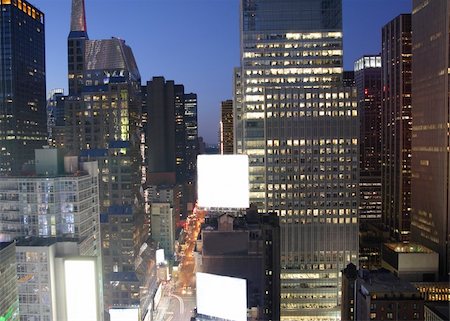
x,y
430,224
23,117
300,128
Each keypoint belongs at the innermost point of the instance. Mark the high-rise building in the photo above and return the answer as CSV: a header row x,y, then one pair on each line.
x,y
172,117
226,127
368,86
9,300
191,127
76,47
103,123
23,117
300,128
430,193
47,203
55,118
396,127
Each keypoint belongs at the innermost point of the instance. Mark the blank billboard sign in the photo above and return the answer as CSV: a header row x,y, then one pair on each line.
x,y
81,293
223,181
221,296
124,314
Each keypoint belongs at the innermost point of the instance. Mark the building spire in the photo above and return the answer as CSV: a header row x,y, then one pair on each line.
x,y
78,19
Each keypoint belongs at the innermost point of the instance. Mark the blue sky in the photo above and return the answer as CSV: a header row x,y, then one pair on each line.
x,y
194,42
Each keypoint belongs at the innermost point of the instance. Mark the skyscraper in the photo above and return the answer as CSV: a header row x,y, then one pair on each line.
x,y
299,126
226,128
172,117
368,86
430,224
23,117
103,123
396,127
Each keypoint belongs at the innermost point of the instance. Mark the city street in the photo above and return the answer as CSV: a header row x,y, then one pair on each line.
x,y
178,299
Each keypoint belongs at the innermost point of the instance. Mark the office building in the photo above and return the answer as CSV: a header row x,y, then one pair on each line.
x,y
9,300
165,213
300,128
102,122
411,262
396,127
430,131
379,295
191,125
171,115
382,296
434,291
49,285
248,248
368,86
55,118
23,120
226,128
58,200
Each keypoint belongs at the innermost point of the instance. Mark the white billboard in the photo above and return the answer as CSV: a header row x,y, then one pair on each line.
x,y
124,314
221,296
223,181
81,294
160,256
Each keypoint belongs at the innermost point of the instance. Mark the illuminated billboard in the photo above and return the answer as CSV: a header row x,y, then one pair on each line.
x,y
160,256
124,314
221,296
223,181
81,293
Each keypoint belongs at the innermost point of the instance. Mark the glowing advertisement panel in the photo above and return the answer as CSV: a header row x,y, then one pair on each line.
x,y
124,314
81,293
223,181
221,296
160,256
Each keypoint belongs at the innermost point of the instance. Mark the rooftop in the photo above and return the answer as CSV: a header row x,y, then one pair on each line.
x,y
4,245
408,248
383,281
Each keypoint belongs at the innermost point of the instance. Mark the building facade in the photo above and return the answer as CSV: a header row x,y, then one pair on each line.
x,y
368,86
300,128
59,204
103,123
396,127
44,282
246,247
382,296
9,300
226,127
55,118
171,115
430,223
23,120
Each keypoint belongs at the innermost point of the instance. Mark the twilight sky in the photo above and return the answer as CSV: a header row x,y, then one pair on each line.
x,y
194,42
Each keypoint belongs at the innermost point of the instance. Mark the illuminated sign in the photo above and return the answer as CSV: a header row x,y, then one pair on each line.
x,y
223,181
221,296
160,256
124,314
81,293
